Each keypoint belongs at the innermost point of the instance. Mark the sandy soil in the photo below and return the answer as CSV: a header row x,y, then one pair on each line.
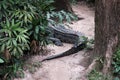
x,y
70,67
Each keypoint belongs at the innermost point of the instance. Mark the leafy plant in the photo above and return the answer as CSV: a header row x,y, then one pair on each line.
x,y
15,39
90,44
116,62
61,16
13,70
23,26
38,34
95,75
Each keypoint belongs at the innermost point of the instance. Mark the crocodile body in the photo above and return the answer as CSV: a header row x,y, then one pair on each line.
x,y
66,35
69,36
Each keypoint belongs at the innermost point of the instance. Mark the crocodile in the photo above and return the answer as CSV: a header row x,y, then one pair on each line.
x,y
60,33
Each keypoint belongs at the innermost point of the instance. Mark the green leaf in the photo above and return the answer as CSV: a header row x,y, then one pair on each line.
x,y
30,17
48,15
37,29
13,22
21,16
3,47
1,60
36,36
4,6
42,28
68,18
25,18
15,26
60,17
20,50
7,23
14,42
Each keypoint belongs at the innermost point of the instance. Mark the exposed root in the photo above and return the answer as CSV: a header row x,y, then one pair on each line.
x,y
90,67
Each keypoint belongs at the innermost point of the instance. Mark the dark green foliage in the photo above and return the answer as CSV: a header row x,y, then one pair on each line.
x,y
12,70
116,63
12,44
31,15
23,27
38,31
95,75
15,39
62,16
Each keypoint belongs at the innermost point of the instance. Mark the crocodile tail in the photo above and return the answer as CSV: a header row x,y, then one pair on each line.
x,y
53,57
66,53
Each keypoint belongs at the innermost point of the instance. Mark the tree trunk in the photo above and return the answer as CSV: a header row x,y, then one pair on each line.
x,y
63,5
107,30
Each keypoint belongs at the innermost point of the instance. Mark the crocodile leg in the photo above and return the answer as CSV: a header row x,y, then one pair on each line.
x,y
56,41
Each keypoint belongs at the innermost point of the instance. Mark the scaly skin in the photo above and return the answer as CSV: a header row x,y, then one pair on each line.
x,y
69,36
66,53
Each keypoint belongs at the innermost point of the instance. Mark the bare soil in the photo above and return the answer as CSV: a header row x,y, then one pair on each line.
x,y
69,67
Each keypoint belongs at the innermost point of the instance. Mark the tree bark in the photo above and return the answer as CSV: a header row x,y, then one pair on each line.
x,y
63,5
107,30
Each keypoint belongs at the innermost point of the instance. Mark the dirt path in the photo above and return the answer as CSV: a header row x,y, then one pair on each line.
x,y
66,68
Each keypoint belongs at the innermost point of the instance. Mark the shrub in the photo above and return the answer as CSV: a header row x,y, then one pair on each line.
x,y
23,26
14,41
95,75
116,63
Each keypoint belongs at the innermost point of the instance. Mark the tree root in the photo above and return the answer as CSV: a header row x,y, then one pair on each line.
x,y
90,68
